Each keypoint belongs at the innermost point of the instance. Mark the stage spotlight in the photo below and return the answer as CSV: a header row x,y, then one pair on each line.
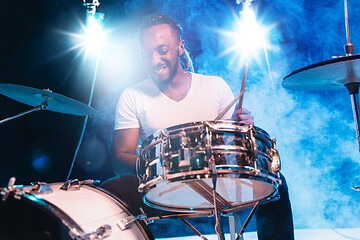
x,y
250,36
94,35
246,38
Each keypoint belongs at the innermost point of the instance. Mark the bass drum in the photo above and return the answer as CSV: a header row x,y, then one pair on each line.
x,y
45,211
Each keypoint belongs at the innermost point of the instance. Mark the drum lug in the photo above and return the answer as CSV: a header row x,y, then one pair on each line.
x,y
100,233
254,148
275,163
128,222
41,188
208,138
6,191
75,184
184,152
142,186
165,142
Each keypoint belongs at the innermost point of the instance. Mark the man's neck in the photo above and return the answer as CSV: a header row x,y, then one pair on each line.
x,y
178,87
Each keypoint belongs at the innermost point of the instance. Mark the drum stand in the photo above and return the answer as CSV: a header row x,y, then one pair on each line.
x,y
217,200
42,106
234,219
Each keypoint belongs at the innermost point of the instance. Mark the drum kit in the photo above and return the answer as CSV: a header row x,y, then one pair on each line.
x,y
200,169
175,164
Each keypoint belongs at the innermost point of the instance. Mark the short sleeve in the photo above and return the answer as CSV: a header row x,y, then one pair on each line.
x,y
126,114
225,98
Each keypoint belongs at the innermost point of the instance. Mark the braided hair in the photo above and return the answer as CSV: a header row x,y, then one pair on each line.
x,y
158,19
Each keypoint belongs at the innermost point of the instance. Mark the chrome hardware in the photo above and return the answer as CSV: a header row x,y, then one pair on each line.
x,y
253,147
128,222
184,152
41,188
75,184
163,136
275,156
142,186
275,164
183,139
100,233
208,136
6,191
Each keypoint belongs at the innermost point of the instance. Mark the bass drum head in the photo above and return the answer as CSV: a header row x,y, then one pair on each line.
x,y
51,216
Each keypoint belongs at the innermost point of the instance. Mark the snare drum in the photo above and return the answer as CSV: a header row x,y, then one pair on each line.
x,y
45,211
178,166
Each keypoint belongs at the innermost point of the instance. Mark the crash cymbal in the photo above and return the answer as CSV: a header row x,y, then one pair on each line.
x,y
328,75
36,97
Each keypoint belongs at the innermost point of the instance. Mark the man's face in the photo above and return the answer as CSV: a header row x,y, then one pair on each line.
x,y
159,47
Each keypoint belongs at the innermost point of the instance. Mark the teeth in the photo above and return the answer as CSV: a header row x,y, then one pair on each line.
x,y
160,69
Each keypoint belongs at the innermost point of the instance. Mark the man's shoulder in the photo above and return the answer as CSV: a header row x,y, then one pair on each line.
x,y
143,86
206,79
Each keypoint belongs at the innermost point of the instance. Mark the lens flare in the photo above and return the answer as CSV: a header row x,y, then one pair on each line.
x,y
94,35
247,38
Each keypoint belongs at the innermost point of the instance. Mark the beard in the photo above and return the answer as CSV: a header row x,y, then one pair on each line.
x,y
166,73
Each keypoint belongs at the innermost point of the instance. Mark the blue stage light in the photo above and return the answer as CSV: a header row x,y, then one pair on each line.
x,y
41,162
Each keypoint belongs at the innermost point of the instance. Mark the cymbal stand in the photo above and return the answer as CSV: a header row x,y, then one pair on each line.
x,y
353,89
42,106
353,85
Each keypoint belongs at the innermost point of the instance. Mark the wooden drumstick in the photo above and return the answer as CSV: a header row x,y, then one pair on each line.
x,y
222,113
243,82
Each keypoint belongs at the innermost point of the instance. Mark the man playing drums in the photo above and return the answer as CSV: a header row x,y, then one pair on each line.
x,y
171,96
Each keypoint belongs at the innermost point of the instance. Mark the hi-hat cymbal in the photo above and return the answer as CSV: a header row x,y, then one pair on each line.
x,y
328,75
55,102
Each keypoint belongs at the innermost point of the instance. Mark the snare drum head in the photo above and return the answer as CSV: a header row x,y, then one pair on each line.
x,y
53,215
196,195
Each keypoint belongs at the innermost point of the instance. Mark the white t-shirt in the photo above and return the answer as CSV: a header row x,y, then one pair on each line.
x,y
144,106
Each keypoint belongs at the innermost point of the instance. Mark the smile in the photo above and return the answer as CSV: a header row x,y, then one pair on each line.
x,y
159,70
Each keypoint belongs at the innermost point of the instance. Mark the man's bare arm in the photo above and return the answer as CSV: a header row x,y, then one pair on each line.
x,y
124,143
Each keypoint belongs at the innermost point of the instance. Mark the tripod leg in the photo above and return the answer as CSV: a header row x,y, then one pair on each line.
x,y
193,228
234,223
240,235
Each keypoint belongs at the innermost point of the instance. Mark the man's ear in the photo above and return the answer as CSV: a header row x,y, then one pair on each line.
x,y
181,48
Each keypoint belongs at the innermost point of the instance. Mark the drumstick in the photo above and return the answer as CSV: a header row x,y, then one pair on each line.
x,y
222,113
243,82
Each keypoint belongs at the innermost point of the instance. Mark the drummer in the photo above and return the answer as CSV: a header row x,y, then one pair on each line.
x,y
172,95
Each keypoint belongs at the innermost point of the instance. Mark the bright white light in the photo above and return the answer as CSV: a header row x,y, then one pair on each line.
x,y
248,38
249,34
94,36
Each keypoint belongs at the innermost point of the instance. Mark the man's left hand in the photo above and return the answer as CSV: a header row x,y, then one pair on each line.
x,y
244,116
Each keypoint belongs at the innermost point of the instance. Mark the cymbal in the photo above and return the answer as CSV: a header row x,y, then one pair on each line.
x,y
55,102
328,75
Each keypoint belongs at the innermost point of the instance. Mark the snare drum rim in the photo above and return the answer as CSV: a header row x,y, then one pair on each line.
x,y
245,174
